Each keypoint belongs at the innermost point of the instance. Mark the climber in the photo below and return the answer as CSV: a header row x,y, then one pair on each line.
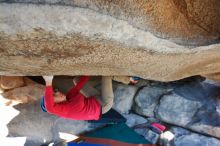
x,y
76,105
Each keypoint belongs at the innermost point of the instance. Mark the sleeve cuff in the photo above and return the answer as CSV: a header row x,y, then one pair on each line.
x,y
49,88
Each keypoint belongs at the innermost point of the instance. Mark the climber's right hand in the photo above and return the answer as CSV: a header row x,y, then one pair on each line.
x,y
48,80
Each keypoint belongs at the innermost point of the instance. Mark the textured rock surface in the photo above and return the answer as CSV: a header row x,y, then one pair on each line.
x,y
178,110
66,40
123,100
133,119
148,134
25,94
186,138
201,98
10,82
148,99
192,104
182,21
36,126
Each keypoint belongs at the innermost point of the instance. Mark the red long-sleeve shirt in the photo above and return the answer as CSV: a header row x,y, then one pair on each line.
x,y
76,106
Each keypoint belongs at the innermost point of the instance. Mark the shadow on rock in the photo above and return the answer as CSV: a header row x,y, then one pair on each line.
x,y
40,128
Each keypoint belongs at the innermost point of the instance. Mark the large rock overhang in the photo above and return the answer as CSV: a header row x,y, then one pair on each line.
x,y
65,40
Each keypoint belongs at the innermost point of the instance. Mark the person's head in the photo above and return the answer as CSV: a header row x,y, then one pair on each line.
x,y
59,97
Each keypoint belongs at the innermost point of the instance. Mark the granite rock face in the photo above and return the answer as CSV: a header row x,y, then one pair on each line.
x,y
10,82
193,104
176,109
187,138
182,21
134,119
148,99
148,134
123,98
164,40
25,94
38,127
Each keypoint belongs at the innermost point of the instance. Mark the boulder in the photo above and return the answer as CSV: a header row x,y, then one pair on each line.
x,y
147,99
10,82
177,110
192,103
184,137
110,38
25,94
36,127
123,98
181,21
148,134
134,119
